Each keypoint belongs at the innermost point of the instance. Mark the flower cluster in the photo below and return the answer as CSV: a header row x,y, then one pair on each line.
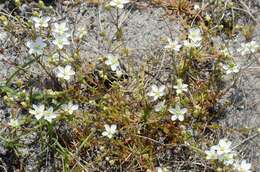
x,y
158,92
39,111
194,41
178,104
224,153
61,35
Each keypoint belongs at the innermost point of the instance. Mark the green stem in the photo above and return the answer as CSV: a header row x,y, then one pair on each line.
x,y
117,19
44,68
18,70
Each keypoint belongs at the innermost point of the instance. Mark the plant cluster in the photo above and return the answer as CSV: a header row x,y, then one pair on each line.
x,y
111,112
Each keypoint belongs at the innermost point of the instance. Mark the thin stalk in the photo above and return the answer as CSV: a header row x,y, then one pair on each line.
x,y
18,70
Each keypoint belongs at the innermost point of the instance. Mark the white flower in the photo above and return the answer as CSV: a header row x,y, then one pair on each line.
x,y
231,68
195,35
196,7
81,32
173,45
224,146
41,21
252,46
207,17
61,29
118,3
242,167
247,48
180,87
156,92
162,169
195,38
110,130
60,41
212,153
119,73
222,151
36,47
37,111
49,114
177,113
190,44
112,61
159,106
70,107
14,123
64,72
228,158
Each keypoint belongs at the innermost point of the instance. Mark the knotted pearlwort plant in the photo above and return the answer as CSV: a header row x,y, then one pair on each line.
x,y
92,102
223,152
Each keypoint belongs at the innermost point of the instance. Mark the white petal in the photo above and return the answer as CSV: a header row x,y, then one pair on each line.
x,y
174,117
107,127
113,128
172,111
113,67
181,117
75,107
32,112
154,88
151,94
162,88
50,109
112,3
155,98
38,116
110,135
41,107
66,77
29,44
105,133
49,119
184,110
67,68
